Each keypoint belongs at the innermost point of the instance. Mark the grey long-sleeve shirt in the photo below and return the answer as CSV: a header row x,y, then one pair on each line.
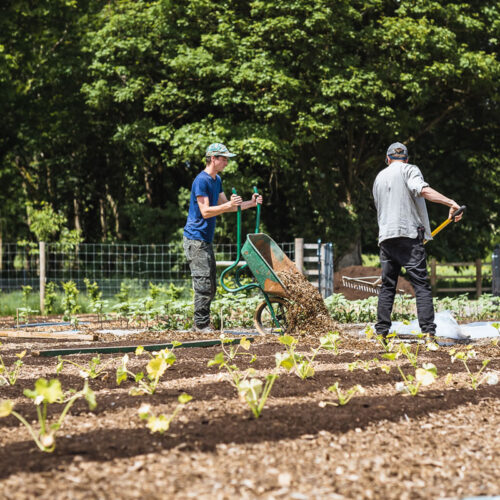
x,y
400,207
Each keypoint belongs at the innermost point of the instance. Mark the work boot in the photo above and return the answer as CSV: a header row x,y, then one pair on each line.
x,y
429,336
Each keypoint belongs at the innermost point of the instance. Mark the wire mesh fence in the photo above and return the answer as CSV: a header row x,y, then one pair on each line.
x,y
107,264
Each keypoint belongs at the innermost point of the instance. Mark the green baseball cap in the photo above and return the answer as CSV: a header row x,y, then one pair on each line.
x,y
218,149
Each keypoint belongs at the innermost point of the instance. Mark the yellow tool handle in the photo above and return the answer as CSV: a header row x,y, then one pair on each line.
x,y
440,227
447,221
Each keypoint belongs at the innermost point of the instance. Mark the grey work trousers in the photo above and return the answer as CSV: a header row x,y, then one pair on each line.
x,y
201,260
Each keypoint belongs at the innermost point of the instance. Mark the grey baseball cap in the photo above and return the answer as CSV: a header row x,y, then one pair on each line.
x,y
397,150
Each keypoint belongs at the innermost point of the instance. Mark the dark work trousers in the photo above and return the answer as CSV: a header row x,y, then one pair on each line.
x,y
201,260
410,254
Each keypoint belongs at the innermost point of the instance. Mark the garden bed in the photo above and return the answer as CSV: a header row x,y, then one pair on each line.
x,y
381,444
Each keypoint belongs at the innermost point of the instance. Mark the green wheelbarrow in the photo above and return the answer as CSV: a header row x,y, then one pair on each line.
x,y
264,258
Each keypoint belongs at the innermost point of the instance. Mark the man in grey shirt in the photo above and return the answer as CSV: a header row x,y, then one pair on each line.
x,y
400,193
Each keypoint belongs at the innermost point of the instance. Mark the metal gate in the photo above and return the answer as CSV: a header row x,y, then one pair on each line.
x,y
495,271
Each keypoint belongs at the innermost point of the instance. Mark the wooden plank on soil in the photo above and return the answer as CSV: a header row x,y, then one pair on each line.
x,y
47,335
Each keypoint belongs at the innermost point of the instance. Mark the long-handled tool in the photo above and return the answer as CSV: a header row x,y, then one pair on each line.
x,y
372,284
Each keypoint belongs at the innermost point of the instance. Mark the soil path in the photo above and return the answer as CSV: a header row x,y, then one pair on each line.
x,y
382,444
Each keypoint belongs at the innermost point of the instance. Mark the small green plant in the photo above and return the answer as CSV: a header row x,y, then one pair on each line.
x,y
161,423
342,397
225,359
25,311
495,342
9,376
155,368
302,364
50,297
476,379
92,371
46,393
154,291
124,294
424,376
70,303
97,305
363,365
255,393
250,388
387,343
173,292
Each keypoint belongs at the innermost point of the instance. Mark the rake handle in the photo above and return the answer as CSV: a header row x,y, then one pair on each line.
x,y
447,221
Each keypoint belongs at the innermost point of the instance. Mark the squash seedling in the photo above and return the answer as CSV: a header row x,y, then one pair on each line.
x,y
255,392
342,397
161,423
44,394
92,371
9,376
250,389
363,365
225,359
424,376
475,378
301,364
155,368
387,343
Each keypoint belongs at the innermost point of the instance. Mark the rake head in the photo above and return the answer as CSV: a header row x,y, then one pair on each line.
x,y
369,284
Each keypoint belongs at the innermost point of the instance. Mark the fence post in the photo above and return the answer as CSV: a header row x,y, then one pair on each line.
x,y
299,254
433,275
479,278
41,246
320,268
327,269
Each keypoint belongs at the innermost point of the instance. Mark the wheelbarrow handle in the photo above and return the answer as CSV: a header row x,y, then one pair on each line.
x,y
238,258
257,220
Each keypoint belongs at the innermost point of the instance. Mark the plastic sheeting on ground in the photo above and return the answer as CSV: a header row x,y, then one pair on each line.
x,y
447,326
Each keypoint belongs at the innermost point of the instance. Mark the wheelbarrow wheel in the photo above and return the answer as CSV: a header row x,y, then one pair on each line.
x,y
263,319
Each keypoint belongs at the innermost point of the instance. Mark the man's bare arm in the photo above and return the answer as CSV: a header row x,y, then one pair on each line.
x,y
434,196
224,205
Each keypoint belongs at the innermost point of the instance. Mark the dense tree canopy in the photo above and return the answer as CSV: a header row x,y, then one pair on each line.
x,y
108,106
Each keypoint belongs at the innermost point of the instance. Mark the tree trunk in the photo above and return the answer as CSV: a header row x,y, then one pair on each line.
x,y
102,216
76,207
352,256
114,210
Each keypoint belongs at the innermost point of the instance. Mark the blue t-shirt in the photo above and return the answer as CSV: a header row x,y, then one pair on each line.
x,y
198,228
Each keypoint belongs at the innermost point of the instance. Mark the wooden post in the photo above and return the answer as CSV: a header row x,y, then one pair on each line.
x,y
299,254
479,278
42,276
433,275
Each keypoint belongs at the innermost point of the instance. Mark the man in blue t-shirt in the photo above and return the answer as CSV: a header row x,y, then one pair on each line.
x,y
207,201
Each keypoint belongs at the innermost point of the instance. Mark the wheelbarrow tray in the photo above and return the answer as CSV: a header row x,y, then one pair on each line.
x,y
265,258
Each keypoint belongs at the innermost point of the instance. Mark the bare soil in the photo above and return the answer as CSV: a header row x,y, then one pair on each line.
x,y
443,443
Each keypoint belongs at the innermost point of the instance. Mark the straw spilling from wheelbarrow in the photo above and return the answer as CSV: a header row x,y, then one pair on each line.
x,y
291,304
